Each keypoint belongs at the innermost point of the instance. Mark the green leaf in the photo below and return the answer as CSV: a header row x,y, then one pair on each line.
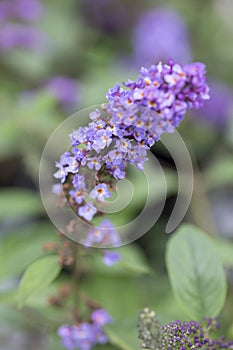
x,y
38,276
195,272
21,247
17,202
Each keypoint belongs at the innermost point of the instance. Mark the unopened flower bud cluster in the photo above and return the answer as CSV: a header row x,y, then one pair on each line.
x,y
179,335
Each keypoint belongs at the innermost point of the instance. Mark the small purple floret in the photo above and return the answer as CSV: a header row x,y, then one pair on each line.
x,y
87,211
101,317
100,192
110,258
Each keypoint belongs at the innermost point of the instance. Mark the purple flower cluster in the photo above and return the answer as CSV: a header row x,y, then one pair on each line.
x,y
158,100
179,335
20,35
86,335
122,130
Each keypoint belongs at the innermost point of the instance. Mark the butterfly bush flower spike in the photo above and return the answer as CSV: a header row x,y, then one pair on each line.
x,y
122,131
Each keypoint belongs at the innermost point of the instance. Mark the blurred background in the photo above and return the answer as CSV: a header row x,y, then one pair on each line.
x,y
57,57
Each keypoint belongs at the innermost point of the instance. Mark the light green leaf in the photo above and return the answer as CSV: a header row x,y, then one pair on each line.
x,y
38,276
17,202
195,272
21,247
